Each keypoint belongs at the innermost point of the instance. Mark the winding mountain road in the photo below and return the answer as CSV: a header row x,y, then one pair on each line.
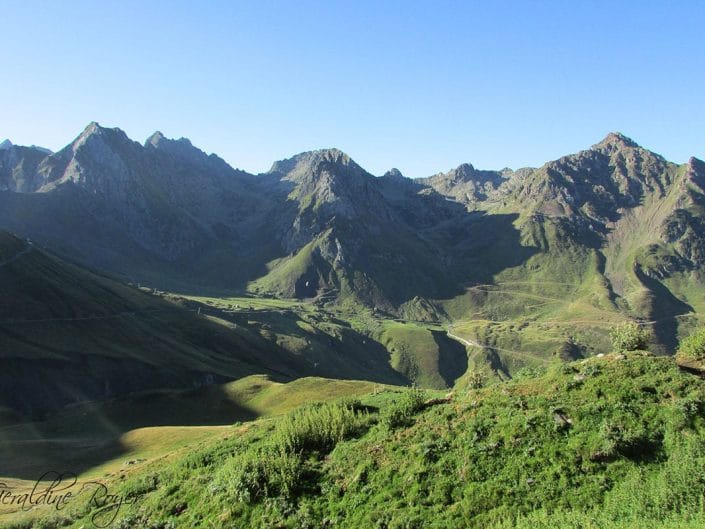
x,y
467,343
473,343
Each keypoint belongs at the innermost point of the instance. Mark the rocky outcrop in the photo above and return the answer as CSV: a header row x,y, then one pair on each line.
x,y
466,184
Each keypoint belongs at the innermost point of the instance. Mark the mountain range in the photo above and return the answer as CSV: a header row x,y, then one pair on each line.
x,y
521,264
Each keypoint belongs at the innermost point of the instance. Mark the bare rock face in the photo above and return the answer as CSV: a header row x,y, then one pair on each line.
x,y
121,205
597,183
684,228
112,176
18,167
466,184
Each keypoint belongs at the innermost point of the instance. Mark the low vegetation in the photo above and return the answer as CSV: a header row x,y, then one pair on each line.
x,y
693,347
629,336
691,353
617,441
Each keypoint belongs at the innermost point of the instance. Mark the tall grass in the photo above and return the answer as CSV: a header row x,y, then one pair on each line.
x,y
277,468
316,428
402,411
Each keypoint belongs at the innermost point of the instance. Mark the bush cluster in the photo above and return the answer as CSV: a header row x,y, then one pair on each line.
x,y
401,413
316,428
693,347
629,336
278,468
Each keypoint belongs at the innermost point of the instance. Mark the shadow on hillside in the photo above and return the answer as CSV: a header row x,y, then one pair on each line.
x,y
664,309
461,247
401,239
492,244
81,436
452,358
84,436
435,250
397,243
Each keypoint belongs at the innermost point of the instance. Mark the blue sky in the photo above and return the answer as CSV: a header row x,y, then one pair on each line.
x,y
422,86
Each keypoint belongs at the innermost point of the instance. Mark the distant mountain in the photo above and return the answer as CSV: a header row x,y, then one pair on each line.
x,y
138,211
620,224
19,167
467,184
343,230
609,232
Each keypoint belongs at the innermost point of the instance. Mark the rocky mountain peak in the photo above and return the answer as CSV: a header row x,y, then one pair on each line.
x,y
181,148
463,173
695,172
313,163
335,156
97,160
41,149
615,141
94,132
158,140
314,160
7,145
92,129
393,173
696,163
155,139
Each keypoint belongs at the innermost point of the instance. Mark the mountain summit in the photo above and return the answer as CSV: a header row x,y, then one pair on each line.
x,y
182,145
616,140
311,162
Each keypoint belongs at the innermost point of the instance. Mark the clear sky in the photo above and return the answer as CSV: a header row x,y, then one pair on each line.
x,y
422,86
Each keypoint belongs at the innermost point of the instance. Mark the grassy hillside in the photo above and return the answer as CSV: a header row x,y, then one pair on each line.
x,y
424,354
68,334
106,438
572,289
608,442
352,340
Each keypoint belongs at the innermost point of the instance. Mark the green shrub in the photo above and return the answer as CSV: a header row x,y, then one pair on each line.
x,y
477,380
284,472
141,485
674,486
401,412
317,428
249,479
524,373
693,347
629,336
631,442
265,473
277,469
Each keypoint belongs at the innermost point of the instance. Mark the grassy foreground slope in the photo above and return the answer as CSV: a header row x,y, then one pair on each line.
x,y
114,439
616,441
